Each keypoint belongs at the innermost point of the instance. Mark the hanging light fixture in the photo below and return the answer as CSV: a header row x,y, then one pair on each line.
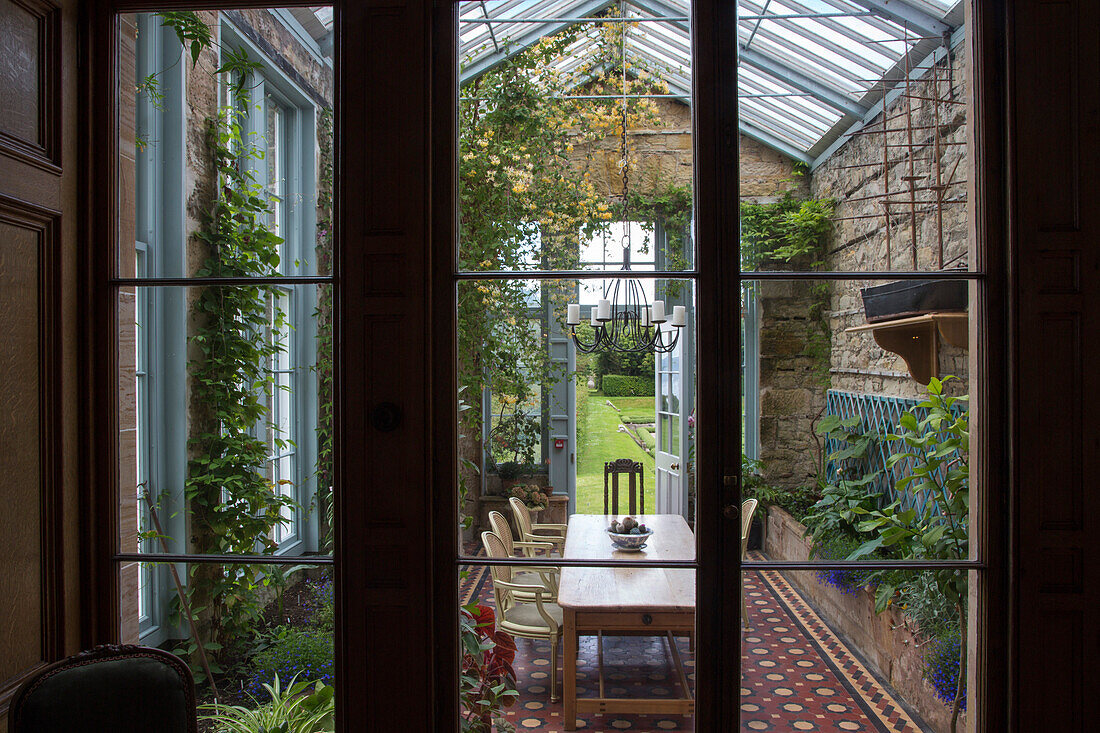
x,y
623,319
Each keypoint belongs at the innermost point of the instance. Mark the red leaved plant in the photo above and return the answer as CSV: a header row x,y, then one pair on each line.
x,y
488,681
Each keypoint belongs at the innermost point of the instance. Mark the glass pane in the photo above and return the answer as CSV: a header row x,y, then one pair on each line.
x,y
272,111
226,425
843,433
625,675
254,623
819,653
549,175
550,420
845,177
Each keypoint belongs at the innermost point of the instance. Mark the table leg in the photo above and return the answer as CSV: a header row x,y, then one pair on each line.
x,y
569,670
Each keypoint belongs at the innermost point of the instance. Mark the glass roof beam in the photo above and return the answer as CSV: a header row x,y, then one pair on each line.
x,y
585,19
905,15
521,42
659,8
852,34
762,136
801,135
807,16
802,82
874,20
793,44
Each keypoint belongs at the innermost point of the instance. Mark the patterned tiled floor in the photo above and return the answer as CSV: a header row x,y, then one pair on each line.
x,y
796,674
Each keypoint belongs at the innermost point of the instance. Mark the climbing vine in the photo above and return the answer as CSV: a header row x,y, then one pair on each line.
x,y
234,507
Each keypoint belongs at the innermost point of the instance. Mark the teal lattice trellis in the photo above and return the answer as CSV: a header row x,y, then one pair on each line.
x,y
878,415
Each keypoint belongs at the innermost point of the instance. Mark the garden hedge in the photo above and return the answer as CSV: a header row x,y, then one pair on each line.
x,y
618,385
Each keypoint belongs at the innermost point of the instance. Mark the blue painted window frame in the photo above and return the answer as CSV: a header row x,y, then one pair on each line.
x,y
296,145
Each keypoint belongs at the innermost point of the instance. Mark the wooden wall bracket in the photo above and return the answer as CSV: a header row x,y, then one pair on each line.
x,y
914,339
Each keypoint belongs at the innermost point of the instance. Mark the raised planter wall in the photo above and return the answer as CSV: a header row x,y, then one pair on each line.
x,y
881,639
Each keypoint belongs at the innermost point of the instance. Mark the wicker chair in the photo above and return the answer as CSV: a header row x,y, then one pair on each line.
x,y
537,619
528,530
122,689
526,575
748,509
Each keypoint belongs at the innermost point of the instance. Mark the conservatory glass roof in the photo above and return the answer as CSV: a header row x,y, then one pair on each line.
x,y
809,69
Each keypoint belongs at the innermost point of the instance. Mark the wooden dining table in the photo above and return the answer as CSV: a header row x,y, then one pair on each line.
x,y
626,602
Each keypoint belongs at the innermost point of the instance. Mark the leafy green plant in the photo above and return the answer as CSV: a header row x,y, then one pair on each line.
x,y
487,681
784,231
190,29
841,507
508,470
843,499
234,506
937,528
301,707
796,501
514,436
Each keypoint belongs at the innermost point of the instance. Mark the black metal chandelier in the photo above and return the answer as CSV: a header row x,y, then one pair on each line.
x,y
623,319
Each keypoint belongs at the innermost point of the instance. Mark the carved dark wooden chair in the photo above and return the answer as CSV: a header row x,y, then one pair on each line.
x,y
121,689
636,486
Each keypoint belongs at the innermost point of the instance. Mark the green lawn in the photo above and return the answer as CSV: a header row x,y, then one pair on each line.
x,y
602,442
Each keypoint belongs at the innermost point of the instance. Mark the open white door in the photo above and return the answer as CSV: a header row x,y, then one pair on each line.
x,y
670,495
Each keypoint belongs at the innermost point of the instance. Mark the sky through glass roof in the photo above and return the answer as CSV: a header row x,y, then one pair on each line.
x,y
809,69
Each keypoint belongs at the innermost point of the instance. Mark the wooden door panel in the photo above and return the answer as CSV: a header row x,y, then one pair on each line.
x,y
1055,115
29,81
34,235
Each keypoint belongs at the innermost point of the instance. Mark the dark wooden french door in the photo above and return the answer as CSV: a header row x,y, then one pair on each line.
x,y
396,644
38,378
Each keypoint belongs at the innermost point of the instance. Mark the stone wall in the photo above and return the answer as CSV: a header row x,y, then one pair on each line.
x,y
661,153
792,393
857,177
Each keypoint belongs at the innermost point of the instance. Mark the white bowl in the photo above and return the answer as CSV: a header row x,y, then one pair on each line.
x,y
629,542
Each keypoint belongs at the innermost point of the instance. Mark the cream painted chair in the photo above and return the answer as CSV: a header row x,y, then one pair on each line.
x,y
748,509
528,530
526,574
538,619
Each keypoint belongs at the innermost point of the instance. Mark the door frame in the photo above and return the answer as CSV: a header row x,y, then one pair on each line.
x,y
422,32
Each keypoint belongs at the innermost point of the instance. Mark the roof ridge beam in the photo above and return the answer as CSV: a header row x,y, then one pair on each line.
x,y
821,92
907,16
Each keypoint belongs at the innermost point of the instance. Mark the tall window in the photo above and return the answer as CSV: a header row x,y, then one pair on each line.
x,y
219,298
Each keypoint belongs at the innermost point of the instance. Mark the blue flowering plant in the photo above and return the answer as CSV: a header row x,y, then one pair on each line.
x,y
292,653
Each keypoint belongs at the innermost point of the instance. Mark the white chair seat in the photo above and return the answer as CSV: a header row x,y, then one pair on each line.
x,y
527,614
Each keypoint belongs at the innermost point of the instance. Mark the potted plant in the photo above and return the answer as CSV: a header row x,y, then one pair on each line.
x,y
508,472
533,497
